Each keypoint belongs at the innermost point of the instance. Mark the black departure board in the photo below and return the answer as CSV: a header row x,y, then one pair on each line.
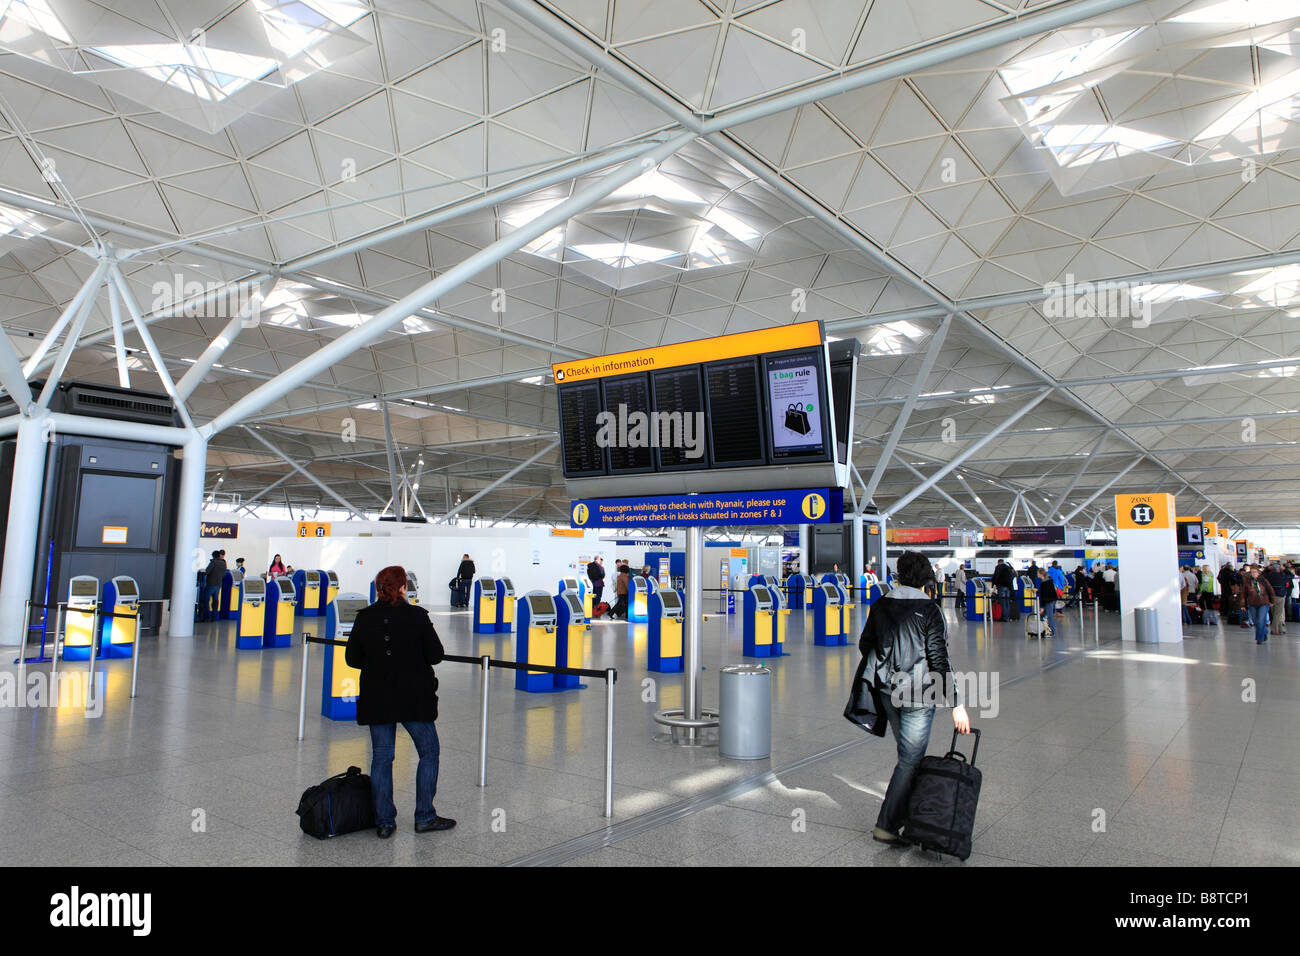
x,y
627,410
735,412
579,426
678,394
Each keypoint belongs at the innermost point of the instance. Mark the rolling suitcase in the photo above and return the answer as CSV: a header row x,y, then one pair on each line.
x,y
997,611
941,809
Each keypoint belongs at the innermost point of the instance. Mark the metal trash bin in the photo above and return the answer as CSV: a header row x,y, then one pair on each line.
x,y
745,712
1147,625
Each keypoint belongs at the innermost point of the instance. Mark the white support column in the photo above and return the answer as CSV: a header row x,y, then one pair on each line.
x,y
74,307
119,341
24,520
805,541
209,357
11,375
189,517
859,552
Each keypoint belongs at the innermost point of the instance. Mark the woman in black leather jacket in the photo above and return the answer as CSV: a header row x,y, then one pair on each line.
x,y
906,646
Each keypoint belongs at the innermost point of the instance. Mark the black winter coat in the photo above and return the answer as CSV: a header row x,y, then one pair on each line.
x,y
906,648
395,647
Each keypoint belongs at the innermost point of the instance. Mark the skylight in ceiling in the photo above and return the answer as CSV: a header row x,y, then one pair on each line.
x,y
205,65
689,232
1218,81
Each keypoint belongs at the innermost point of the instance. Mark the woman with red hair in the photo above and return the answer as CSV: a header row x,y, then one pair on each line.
x,y
394,645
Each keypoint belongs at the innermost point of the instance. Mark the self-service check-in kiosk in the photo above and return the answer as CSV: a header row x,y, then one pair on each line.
x,y
330,584
277,631
228,597
121,596
799,592
79,619
579,587
251,619
340,684
505,621
666,649
761,635
638,607
412,588
828,616
485,606
538,642
779,601
571,626
307,587
847,604
869,588
977,595
1026,593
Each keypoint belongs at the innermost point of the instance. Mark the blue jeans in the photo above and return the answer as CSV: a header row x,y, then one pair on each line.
x,y
1259,618
911,726
210,597
1004,598
1049,615
383,744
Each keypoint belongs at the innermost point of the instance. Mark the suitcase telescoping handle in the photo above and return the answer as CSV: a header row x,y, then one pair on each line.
x,y
953,752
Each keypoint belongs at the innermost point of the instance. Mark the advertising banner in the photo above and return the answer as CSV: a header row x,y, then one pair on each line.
x,y
1025,534
917,535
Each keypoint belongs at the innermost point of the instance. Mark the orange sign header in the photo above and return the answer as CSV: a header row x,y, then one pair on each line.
x,y
1144,512
800,335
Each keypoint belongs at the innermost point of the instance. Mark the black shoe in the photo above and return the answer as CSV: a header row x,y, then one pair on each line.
x,y
384,832
437,823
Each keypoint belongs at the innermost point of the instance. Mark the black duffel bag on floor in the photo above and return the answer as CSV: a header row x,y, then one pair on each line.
x,y
342,804
941,809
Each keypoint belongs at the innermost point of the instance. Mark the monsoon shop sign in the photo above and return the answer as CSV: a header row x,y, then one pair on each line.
x,y
800,506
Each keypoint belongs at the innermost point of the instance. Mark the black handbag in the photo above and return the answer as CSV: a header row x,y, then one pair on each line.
x,y
342,804
796,419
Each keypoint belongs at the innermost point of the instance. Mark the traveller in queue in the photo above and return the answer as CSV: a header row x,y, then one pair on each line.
x,y
596,575
906,646
395,647
215,573
1258,596
277,567
465,575
621,586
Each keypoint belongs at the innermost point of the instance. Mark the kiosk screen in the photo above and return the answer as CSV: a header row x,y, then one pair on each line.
x,y
489,587
670,600
539,605
575,607
832,594
254,588
85,590
762,595
348,609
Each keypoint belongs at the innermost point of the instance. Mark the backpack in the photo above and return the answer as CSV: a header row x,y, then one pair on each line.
x,y
342,804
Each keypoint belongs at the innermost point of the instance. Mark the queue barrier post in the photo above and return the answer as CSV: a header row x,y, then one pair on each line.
x,y
609,741
1096,621
90,670
302,693
54,654
486,663
22,651
135,659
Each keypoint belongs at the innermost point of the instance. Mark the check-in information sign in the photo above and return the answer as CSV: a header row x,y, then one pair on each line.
x,y
801,506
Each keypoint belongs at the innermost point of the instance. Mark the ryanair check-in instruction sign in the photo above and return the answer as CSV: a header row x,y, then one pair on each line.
x,y
801,506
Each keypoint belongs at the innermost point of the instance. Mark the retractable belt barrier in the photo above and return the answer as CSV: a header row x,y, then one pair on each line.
x,y
59,610
610,676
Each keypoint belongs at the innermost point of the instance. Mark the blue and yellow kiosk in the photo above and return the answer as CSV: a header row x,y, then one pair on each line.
x,y
571,626
579,587
277,629
847,604
799,591
307,587
228,597
538,642
484,605
639,591
79,617
828,616
665,643
412,588
505,606
1026,593
977,594
762,635
870,589
251,617
121,596
330,586
340,684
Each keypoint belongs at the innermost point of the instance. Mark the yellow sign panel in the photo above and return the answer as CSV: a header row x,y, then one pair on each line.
x,y
800,335
1211,529
1144,512
114,535
581,514
740,552
313,529
568,532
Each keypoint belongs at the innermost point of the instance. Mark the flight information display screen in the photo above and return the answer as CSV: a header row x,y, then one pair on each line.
x,y
735,421
628,401
579,407
678,394
798,417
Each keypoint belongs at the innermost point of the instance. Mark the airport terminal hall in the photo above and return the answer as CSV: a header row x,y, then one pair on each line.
x,y
650,434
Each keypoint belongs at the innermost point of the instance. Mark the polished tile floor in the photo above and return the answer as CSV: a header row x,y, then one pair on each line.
x,y
1099,754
